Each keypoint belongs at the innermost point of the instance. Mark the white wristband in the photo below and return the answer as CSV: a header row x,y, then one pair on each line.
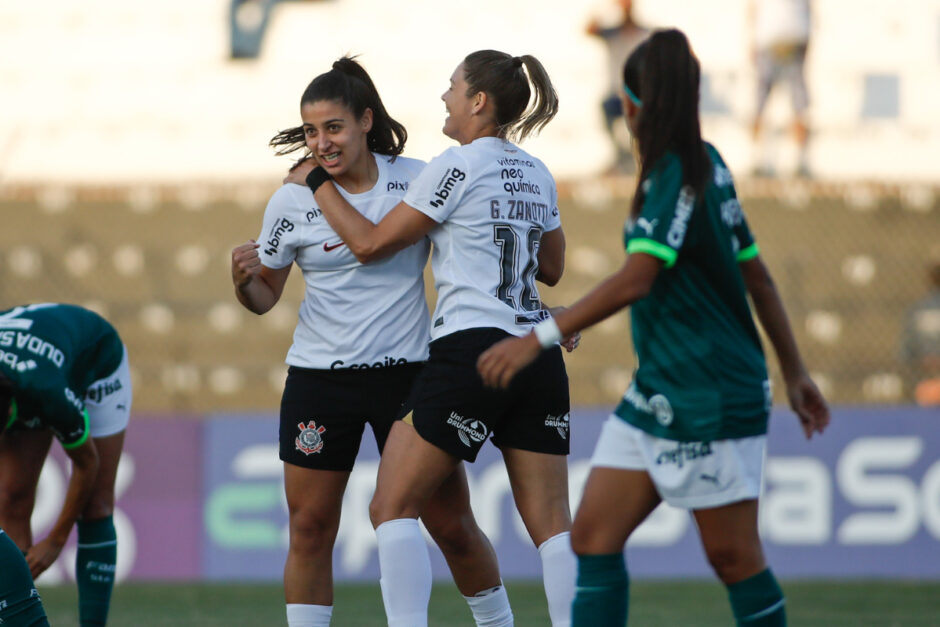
x,y
547,332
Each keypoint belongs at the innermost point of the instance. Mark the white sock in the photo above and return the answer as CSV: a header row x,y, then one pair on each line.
x,y
406,572
559,571
491,608
302,615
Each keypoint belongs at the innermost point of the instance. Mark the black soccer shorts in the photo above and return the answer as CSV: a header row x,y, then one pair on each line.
x,y
451,408
324,412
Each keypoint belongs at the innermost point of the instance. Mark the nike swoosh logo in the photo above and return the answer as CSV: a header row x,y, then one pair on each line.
x,y
327,248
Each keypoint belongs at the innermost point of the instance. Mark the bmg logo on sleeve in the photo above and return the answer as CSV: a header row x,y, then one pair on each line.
x,y
446,186
277,232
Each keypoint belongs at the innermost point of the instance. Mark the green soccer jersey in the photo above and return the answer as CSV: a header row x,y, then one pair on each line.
x,y
52,353
702,374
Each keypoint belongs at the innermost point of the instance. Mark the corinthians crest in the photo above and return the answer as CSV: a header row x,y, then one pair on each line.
x,y
309,441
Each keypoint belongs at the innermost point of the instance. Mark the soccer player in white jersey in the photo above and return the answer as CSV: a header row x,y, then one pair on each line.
x,y
691,428
360,340
490,209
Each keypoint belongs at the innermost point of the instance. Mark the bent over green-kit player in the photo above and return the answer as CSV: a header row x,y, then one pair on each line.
x,y
691,428
64,372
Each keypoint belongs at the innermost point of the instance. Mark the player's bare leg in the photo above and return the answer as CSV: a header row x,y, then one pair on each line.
x,y
101,502
729,536
614,504
732,544
410,472
450,521
22,455
540,489
469,554
314,502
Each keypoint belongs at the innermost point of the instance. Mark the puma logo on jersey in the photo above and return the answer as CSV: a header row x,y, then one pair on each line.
x,y
328,247
647,225
446,186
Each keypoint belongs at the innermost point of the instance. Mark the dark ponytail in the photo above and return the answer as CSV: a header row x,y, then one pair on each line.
x,y
349,84
663,74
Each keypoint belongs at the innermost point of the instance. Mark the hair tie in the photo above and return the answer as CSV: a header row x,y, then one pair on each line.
x,y
632,96
517,62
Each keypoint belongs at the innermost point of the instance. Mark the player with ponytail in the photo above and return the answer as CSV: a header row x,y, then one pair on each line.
x,y
691,428
491,210
360,341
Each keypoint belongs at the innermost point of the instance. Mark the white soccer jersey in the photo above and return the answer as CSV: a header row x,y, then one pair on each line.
x,y
352,315
492,201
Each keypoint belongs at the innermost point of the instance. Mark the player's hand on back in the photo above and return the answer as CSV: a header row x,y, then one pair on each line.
x,y
246,264
298,173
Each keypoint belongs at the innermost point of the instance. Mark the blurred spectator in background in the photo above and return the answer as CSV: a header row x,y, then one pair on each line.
x,y
780,37
620,40
921,342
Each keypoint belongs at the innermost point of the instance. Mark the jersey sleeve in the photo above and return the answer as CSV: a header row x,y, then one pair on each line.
x,y
742,240
553,221
280,230
660,229
439,188
63,411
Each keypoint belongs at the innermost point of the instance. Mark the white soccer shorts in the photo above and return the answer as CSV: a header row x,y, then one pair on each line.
x,y
108,401
688,475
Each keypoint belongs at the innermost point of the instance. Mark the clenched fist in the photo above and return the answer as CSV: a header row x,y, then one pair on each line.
x,y
246,264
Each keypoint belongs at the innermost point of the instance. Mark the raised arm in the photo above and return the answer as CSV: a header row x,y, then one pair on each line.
x,y
804,396
399,229
81,483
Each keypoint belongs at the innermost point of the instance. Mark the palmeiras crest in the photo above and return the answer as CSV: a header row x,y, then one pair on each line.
x,y
309,441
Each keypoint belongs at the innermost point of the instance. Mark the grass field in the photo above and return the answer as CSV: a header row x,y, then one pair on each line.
x,y
687,603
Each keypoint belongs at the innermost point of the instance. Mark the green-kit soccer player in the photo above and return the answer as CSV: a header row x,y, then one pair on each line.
x,y
20,605
64,372
691,428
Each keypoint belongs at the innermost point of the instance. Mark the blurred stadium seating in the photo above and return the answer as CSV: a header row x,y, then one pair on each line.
x,y
848,261
132,158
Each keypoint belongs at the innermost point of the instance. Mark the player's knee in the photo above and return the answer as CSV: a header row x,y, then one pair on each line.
x,y
312,529
733,562
453,535
584,540
16,502
100,505
382,509
97,510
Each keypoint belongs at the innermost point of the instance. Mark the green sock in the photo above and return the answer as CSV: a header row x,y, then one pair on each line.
x,y
601,597
94,569
758,601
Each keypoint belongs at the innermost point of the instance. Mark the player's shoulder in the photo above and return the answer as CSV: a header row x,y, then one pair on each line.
x,y
290,198
721,173
399,166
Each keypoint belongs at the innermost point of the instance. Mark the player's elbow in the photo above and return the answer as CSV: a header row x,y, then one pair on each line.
x,y
550,273
549,277
366,253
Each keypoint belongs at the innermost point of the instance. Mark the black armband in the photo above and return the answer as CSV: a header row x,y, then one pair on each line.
x,y
317,177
